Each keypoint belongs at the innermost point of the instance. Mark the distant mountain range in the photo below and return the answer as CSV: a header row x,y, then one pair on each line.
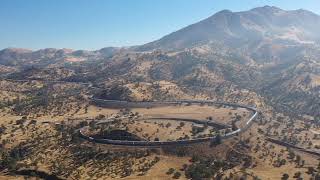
x,y
272,52
17,56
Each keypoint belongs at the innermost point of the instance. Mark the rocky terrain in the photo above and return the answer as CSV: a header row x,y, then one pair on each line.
x,y
265,57
269,51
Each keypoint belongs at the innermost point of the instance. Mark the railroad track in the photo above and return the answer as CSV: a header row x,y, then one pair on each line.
x,y
126,104
148,104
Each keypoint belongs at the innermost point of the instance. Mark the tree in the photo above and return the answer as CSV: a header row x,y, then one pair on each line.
x,y
8,161
297,175
298,159
216,141
168,125
2,129
182,124
285,176
311,170
234,126
170,171
176,175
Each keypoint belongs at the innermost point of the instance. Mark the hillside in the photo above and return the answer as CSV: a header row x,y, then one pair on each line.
x,y
257,49
248,29
266,58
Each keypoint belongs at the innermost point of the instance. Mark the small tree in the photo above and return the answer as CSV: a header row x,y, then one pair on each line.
x,y
168,125
311,170
297,175
170,171
176,175
285,176
216,141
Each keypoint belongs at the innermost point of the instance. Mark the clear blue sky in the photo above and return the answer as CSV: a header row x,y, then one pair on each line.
x,y
93,24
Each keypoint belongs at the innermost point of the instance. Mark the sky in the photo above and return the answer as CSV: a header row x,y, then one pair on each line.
x,y
94,24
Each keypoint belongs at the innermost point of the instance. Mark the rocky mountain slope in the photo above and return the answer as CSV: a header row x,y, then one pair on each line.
x,y
268,51
254,28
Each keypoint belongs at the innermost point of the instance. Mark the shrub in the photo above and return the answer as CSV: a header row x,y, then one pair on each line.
x,y
170,171
285,176
297,175
176,175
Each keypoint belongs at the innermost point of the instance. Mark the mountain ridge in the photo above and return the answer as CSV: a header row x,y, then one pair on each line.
x,y
219,14
236,28
262,50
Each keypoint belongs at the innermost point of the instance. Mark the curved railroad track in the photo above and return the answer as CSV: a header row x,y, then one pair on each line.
x,y
127,104
148,104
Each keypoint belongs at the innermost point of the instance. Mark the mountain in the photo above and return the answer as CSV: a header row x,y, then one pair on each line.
x,y
280,49
245,29
266,51
44,57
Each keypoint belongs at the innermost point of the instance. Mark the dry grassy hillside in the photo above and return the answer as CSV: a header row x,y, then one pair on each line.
x,y
32,143
267,58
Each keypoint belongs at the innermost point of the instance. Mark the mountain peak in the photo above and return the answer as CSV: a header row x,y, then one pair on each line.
x,y
267,9
246,28
226,11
